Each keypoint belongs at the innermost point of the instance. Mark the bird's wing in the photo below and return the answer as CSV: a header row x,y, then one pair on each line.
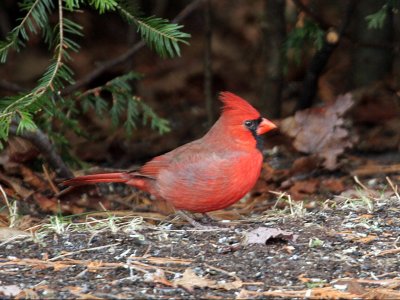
x,y
153,167
206,180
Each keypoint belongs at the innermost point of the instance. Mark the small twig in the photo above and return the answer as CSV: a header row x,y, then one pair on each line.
x,y
231,274
12,208
3,193
394,188
42,142
13,87
360,183
208,63
82,250
48,178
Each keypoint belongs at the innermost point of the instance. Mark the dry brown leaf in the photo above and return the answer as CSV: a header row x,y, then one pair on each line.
x,y
33,180
315,293
303,279
366,240
333,185
382,293
16,185
60,265
303,188
304,164
190,280
352,286
10,233
158,277
320,131
46,204
21,150
10,290
262,235
94,266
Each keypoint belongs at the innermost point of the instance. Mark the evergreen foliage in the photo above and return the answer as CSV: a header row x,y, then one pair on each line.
x,y
159,34
301,36
377,19
44,103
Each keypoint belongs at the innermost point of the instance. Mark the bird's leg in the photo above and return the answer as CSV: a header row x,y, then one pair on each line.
x,y
192,221
210,220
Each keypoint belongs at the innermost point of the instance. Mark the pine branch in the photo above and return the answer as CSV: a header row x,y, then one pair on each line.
x,y
159,34
52,80
102,68
124,105
36,16
104,5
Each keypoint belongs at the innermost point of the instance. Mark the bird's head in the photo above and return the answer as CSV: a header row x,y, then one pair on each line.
x,y
242,120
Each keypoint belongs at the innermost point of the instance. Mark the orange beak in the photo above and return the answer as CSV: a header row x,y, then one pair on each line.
x,y
265,126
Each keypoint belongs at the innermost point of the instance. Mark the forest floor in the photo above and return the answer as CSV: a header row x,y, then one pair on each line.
x,y
345,249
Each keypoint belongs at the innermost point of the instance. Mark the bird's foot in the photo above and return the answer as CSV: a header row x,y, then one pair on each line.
x,y
195,223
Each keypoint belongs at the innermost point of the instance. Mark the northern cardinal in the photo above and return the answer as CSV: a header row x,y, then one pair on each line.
x,y
207,174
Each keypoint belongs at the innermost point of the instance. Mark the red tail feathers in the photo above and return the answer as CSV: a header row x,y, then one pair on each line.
x,y
96,178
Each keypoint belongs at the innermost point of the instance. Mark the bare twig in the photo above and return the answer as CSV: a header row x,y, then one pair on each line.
x,y
394,188
321,58
12,208
207,62
51,183
10,86
82,250
360,183
42,142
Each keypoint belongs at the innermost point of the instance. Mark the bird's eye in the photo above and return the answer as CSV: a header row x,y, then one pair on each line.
x,y
248,123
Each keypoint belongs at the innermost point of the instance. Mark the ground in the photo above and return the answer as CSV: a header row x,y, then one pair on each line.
x,y
344,249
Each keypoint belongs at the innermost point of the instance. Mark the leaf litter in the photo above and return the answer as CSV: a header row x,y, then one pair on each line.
x,y
263,235
356,256
321,130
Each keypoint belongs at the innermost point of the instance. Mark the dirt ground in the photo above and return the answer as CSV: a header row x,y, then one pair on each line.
x,y
345,249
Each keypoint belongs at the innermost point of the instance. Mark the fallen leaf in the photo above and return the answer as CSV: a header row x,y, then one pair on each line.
x,y
303,279
321,131
33,179
157,277
17,186
190,280
365,240
21,150
352,286
304,164
333,185
10,233
303,188
262,235
10,290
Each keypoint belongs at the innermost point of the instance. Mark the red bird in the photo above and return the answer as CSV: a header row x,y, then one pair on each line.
x,y
207,174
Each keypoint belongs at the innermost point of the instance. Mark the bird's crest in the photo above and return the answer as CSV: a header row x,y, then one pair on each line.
x,y
235,106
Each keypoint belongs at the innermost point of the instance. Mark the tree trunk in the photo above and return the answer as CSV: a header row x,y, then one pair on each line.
x,y
371,63
274,34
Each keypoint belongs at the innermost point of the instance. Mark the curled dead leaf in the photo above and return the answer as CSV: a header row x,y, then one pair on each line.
x,y
10,290
321,131
262,235
7,233
190,280
303,188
